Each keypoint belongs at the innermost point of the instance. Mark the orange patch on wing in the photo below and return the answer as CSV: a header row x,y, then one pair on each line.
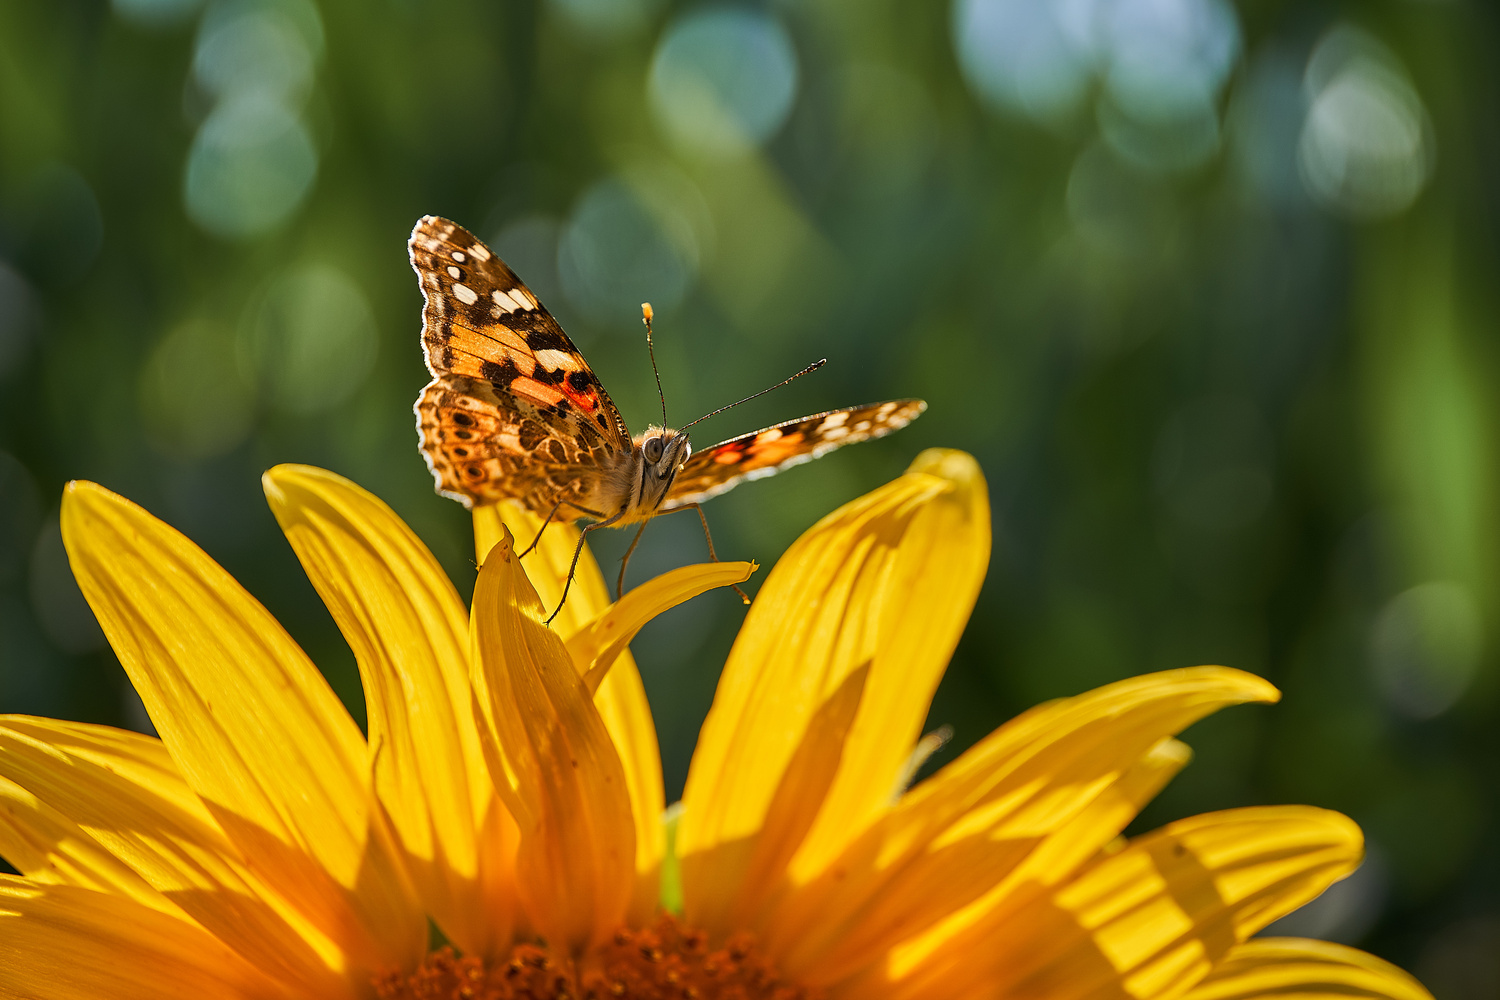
x,y
508,337
537,392
776,450
586,400
775,455
481,346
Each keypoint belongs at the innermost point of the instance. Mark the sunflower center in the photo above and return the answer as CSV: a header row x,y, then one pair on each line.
x,y
664,962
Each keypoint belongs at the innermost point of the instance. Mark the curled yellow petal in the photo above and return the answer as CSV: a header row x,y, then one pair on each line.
x,y
547,564
887,580
597,645
253,727
65,943
553,760
1308,970
409,632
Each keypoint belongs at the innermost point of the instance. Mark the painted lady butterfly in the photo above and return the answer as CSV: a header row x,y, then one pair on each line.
x,y
514,411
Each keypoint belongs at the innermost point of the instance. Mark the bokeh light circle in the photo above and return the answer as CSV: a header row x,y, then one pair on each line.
x,y
1425,647
1169,58
1026,56
187,415
616,251
1366,145
723,81
251,164
260,50
310,341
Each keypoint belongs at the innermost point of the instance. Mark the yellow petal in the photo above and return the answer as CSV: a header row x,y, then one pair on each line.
x,y
597,645
1100,822
621,703
547,564
1058,856
1150,921
960,834
46,846
409,632
66,943
803,787
252,726
553,761
141,760
167,841
621,698
1307,970
887,580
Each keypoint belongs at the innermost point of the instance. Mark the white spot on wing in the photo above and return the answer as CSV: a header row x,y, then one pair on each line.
x,y
480,253
454,272
434,245
465,294
553,360
502,301
520,299
458,255
834,420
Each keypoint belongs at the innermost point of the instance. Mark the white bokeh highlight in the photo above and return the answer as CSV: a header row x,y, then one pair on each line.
x,y
1366,148
723,81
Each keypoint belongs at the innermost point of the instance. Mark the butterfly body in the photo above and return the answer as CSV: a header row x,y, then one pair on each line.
x,y
633,487
513,410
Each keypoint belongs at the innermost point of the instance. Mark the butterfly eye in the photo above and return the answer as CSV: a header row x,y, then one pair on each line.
x,y
653,449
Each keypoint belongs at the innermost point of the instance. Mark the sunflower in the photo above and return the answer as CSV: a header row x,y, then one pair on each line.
x,y
499,832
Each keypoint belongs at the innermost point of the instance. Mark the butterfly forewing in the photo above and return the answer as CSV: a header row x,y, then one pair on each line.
x,y
513,409
722,467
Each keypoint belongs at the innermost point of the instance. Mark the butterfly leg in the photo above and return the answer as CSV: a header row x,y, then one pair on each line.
x,y
578,551
712,555
620,583
545,521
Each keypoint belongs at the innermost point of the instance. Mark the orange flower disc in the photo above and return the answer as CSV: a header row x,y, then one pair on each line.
x,y
666,962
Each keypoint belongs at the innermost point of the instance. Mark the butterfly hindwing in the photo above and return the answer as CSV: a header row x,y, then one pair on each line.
x,y
500,360
481,447
714,470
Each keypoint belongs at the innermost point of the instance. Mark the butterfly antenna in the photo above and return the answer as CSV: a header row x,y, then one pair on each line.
x,y
810,368
646,314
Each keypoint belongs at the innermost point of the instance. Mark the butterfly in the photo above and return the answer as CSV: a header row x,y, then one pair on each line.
x,y
514,411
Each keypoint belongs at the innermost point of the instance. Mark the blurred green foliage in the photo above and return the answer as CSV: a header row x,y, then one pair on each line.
x,y
1208,290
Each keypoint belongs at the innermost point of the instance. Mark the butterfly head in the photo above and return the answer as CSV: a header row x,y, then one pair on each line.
x,y
663,451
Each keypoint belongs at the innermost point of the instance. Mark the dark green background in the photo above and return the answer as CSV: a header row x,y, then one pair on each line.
x,y
1228,413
